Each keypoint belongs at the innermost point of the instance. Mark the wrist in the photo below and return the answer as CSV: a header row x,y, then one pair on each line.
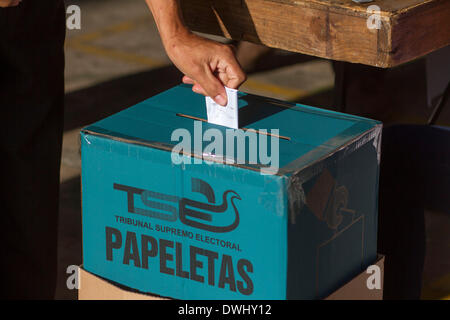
x,y
169,20
176,33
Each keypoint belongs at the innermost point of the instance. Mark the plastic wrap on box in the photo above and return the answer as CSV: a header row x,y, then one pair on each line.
x,y
208,224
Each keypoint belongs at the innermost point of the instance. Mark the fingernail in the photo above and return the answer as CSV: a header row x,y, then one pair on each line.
x,y
220,100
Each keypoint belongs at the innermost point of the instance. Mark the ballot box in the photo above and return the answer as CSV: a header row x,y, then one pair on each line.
x,y
283,208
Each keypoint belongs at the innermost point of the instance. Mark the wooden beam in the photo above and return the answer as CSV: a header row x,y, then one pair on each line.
x,y
331,29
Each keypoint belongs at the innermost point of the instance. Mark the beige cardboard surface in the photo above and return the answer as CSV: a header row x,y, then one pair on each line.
x,y
357,289
96,288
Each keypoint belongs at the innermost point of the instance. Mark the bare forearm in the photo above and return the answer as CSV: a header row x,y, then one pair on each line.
x,y
168,18
206,64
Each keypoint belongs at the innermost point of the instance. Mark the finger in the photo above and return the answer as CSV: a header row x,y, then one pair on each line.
x,y
198,89
187,80
235,75
223,77
212,86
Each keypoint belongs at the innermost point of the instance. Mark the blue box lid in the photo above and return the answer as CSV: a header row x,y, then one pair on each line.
x,y
307,133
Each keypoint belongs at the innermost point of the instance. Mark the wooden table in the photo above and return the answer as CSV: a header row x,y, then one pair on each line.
x,y
331,29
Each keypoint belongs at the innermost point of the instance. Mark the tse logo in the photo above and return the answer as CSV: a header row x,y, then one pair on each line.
x,y
191,213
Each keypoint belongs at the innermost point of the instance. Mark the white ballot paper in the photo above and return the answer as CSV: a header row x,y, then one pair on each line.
x,y
225,116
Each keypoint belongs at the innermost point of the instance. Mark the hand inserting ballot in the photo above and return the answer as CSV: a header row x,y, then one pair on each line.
x,y
208,65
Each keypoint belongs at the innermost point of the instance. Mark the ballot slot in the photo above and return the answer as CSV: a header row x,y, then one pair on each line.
x,y
245,129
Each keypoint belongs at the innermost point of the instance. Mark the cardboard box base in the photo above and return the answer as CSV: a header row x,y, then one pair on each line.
x,y
93,287
356,289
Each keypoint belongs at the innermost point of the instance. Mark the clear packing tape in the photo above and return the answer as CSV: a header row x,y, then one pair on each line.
x,y
296,193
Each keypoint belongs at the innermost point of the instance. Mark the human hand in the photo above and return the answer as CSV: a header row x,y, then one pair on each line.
x,y
208,65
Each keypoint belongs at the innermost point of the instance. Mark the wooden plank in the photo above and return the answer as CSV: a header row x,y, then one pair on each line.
x,y
332,29
420,31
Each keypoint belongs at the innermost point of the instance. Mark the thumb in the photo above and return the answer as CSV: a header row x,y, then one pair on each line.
x,y
213,87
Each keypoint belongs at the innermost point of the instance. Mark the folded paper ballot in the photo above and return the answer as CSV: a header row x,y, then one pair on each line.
x,y
224,115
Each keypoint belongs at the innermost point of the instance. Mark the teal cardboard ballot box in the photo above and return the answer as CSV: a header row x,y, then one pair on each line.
x,y
285,208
